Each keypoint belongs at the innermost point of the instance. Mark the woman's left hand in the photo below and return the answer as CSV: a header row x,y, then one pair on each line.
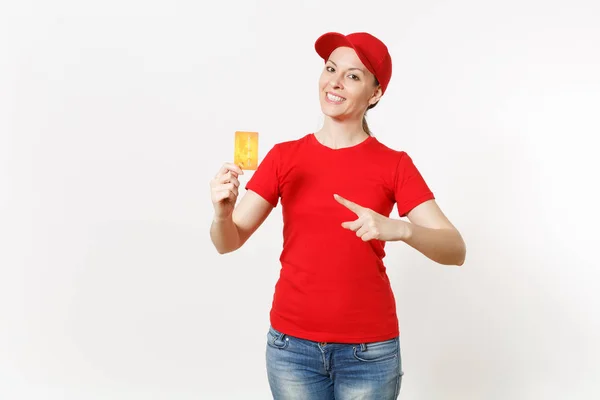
x,y
372,225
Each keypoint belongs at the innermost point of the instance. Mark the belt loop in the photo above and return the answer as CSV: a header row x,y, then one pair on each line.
x,y
280,338
363,347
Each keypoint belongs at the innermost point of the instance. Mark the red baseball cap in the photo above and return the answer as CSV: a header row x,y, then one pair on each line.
x,y
372,52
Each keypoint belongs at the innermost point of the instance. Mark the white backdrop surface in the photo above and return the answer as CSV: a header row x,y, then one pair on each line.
x,y
115,115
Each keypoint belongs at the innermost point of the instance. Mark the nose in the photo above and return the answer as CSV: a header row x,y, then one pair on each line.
x,y
335,82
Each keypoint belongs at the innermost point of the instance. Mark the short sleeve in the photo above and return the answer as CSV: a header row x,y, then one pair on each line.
x,y
265,180
411,189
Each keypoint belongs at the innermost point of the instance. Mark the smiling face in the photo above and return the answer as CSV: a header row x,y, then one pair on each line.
x,y
346,86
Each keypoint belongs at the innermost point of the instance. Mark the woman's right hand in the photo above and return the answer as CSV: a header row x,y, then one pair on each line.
x,y
224,190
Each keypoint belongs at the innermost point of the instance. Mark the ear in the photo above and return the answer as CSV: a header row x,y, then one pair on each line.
x,y
376,95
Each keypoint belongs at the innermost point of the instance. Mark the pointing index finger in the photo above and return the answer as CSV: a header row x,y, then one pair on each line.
x,y
348,204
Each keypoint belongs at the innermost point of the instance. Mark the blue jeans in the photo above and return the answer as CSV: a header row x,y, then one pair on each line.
x,y
303,369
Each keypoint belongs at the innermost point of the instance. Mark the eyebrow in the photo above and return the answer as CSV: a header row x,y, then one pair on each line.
x,y
349,69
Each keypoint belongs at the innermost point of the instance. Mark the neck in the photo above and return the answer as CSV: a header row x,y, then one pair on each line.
x,y
338,134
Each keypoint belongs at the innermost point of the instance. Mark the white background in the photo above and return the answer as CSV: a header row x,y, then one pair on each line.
x,y
115,115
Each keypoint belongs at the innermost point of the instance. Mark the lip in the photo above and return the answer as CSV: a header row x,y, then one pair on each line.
x,y
331,101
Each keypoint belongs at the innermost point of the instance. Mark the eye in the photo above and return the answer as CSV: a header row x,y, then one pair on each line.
x,y
330,69
353,77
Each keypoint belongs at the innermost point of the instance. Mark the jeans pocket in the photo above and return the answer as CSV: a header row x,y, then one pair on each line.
x,y
377,351
277,339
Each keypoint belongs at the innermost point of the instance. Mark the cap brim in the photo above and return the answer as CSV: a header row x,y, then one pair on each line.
x,y
328,42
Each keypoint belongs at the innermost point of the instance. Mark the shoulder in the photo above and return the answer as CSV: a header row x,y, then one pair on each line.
x,y
291,143
290,146
282,153
399,159
388,153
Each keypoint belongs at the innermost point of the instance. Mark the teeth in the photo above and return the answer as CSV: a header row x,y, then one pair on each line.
x,y
334,98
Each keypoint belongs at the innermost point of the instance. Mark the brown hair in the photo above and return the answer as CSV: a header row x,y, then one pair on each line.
x,y
365,125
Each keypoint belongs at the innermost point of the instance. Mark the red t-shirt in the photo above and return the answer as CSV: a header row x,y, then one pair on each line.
x,y
333,287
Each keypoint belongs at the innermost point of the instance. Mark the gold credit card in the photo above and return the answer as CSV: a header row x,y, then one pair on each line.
x,y
246,150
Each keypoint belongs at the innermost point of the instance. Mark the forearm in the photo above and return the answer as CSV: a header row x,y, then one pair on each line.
x,y
224,235
445,246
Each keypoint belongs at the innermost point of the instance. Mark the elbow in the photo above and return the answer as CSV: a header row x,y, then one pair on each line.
x,y
224,245
226,250
457,252
462,254
456,262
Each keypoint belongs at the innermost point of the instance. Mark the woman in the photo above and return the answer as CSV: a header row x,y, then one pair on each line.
x,y
334,330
